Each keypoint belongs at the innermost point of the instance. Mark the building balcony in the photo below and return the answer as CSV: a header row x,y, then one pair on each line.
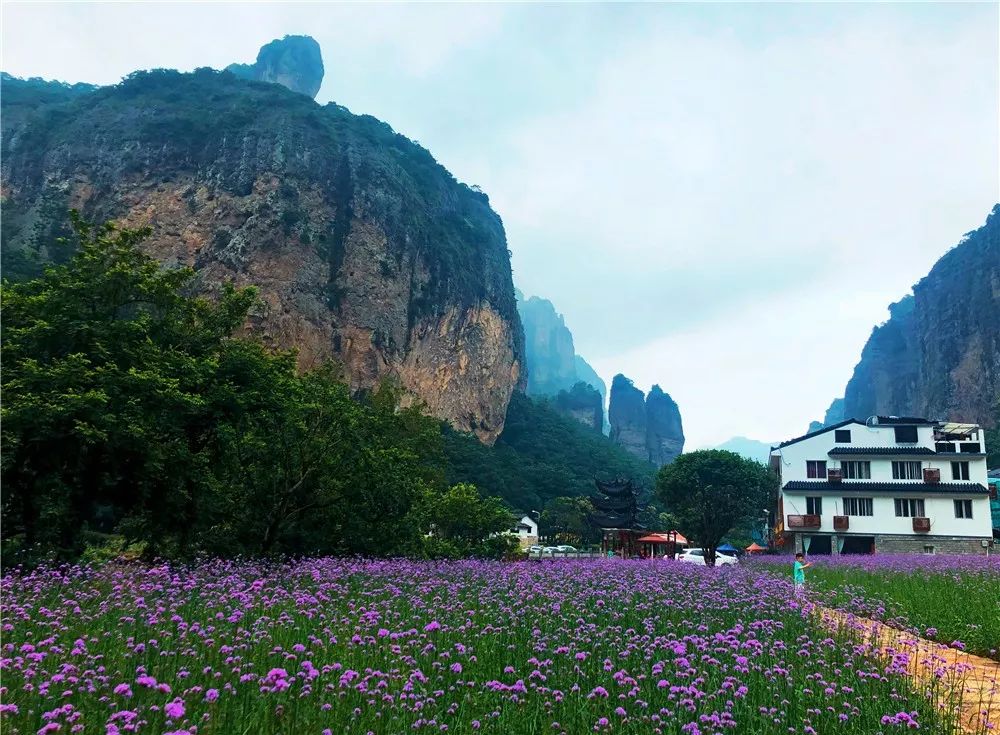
x,y
804,521
841,523
921,525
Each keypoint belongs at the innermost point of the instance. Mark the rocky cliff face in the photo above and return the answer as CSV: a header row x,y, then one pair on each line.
x,y
627,414
553,365
664,431
834,414
649,427
938,355
548,347
584,404
362,247
294,62
586,374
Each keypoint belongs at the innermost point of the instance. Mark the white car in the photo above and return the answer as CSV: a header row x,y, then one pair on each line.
x,y
566,549
697,556
533,550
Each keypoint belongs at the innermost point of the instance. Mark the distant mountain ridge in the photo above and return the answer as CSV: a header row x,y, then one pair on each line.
x,y
749,448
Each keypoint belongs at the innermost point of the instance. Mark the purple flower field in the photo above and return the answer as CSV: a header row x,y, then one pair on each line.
x,y
328,646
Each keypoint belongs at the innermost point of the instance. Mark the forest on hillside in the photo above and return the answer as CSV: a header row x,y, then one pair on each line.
x,y
139,415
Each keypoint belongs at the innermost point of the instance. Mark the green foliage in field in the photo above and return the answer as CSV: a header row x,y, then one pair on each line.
x,y
959,605
131,408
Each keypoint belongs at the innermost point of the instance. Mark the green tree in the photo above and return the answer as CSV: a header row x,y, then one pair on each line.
x,y
463,523
567,519
132,408
712,491
104,375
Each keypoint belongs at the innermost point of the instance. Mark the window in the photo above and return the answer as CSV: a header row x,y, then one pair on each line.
x,y
910,508
906,471
929,550
842,436
816,469
906,434
858,506
814,506
963,509
959,470
854,470
970,448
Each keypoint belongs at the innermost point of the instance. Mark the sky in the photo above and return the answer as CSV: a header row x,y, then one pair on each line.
x,y
721,199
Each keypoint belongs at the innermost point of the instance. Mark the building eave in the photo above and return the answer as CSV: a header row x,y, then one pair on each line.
x,y
897,488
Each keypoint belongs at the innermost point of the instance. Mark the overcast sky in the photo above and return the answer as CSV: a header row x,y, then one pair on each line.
x,y
722,199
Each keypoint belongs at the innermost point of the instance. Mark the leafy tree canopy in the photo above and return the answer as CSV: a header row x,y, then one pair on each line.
x,y
712,491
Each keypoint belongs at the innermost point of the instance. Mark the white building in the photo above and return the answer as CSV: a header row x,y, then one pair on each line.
x,y
890,484
527,532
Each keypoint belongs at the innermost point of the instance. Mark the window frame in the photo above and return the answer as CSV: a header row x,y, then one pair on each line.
x,y
962,467
906,431
814,505
813,468
965,504
855,506
907,465
838,435
859,465
909,507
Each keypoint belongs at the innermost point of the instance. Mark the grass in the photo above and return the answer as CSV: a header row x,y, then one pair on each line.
x,y
335,646
951,599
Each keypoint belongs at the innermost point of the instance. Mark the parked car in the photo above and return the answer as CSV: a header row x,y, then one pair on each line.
x,y
565,549
697,556
534,550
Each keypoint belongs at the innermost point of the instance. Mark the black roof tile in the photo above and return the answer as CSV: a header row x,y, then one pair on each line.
x,y
905,421
931,488
893,451
825,429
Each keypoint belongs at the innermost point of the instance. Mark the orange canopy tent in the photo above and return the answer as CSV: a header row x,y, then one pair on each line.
x,y
755,548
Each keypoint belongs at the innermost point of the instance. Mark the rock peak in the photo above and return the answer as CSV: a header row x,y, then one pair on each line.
x,y
293,61
649,427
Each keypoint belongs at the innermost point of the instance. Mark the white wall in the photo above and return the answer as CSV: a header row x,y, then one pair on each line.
x,y
940,509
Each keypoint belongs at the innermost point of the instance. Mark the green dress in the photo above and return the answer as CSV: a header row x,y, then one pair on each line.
x,y
799,573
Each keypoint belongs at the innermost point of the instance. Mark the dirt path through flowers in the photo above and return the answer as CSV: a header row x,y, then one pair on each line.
x,y
972,681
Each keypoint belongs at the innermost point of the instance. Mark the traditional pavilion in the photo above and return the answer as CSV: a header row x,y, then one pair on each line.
x,y
617,515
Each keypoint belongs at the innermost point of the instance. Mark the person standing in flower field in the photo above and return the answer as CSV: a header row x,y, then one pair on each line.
x,y
799,572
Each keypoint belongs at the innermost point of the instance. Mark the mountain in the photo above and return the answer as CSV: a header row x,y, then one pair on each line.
x,y
554,367
363,248
294,62
583,403
585,373
834,414
750,448
548,348
648,427
542,454
938,355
